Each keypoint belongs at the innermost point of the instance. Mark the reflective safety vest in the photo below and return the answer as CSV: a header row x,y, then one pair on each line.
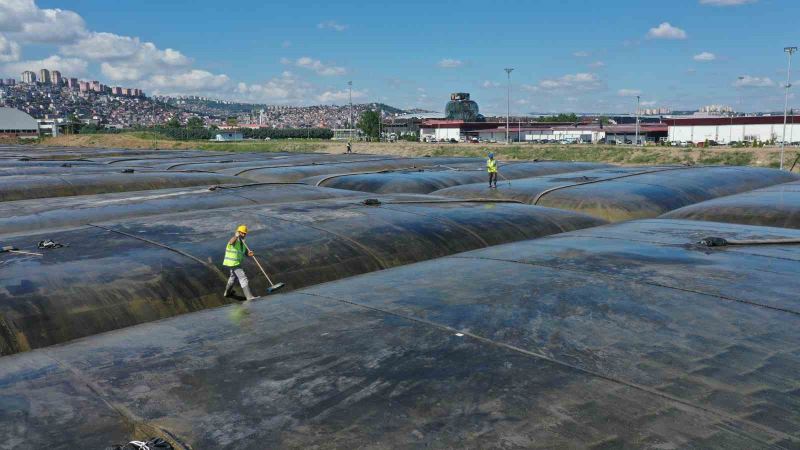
x,y
234,254
491,165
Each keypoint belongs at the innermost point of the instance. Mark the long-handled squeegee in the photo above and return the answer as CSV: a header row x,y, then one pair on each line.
x,y
272,287
12,249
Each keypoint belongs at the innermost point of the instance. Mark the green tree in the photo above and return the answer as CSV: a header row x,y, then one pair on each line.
x,y
194,123
369,123
571,117
231,121
173,123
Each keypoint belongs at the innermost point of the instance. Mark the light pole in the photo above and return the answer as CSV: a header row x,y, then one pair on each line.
x,y
155,132
637,120
790,51
508,100
741,110
350,94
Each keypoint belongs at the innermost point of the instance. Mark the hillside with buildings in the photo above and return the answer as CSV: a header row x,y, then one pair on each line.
x,y
50,95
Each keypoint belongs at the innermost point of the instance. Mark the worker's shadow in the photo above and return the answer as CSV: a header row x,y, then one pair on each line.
x,y
237,297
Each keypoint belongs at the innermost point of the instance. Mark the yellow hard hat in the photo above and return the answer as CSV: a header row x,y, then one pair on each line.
x,y
242,229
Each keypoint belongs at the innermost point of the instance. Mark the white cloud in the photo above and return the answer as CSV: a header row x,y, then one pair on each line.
x,y
748,81
331,25
629,92
338,96
67,66
103,46
9,50
29,23
490,84
705,57
580,54
666,31
448,63
319,67
647,103
145,61
191,81
726,2
578,81
597,64
284,89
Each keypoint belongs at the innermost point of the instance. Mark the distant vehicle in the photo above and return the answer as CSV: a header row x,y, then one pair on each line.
x,y
453,141
628,141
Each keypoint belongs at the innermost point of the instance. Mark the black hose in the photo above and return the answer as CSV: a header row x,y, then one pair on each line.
x,y
722,242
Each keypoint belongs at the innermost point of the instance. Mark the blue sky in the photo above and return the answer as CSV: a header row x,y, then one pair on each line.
x,y
568,55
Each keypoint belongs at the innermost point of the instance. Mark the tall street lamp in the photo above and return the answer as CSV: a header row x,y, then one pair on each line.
x,y
637,120
741,109
350,89
508,100
790,51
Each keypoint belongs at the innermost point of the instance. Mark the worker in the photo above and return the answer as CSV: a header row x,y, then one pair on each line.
x,y
234,255
491,167
349,147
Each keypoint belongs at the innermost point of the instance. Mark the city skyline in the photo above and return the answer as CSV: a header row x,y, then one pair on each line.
x,y
569,56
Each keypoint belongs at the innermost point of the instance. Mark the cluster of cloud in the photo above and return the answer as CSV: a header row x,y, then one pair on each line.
x,y
704,57
331,25
756,82
317,66
120,58
666,31
629,92
448,63
584,81
81,52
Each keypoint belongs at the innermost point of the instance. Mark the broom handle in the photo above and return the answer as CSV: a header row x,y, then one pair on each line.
x,y
258,264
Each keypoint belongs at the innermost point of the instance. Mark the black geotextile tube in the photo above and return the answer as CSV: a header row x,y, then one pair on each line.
x,y
628,193
27,216
125,272
22,187
774,206
621,332
423,181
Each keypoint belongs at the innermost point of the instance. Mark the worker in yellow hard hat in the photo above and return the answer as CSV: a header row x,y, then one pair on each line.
x,y
491,167
234,255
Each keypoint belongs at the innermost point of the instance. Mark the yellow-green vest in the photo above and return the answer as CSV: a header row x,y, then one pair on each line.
x,y
491,165
234,254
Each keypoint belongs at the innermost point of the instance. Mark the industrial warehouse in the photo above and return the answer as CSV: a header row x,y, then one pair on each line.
x,y
575,305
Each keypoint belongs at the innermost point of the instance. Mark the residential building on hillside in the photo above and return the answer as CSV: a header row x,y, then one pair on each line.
x,y
28,77
44,76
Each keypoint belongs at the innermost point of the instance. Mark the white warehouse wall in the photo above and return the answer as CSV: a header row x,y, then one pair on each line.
x,y
736,133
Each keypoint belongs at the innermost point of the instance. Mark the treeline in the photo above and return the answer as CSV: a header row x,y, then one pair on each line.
x,y
563,118
286,133
190,133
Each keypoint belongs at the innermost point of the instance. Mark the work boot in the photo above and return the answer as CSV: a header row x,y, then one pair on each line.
x,y
228,289
247,293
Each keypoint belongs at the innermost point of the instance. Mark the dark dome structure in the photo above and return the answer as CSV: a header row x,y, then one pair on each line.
x,y
460,107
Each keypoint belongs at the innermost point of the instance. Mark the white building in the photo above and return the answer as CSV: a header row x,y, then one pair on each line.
x,y
724,130
16,123
229,136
